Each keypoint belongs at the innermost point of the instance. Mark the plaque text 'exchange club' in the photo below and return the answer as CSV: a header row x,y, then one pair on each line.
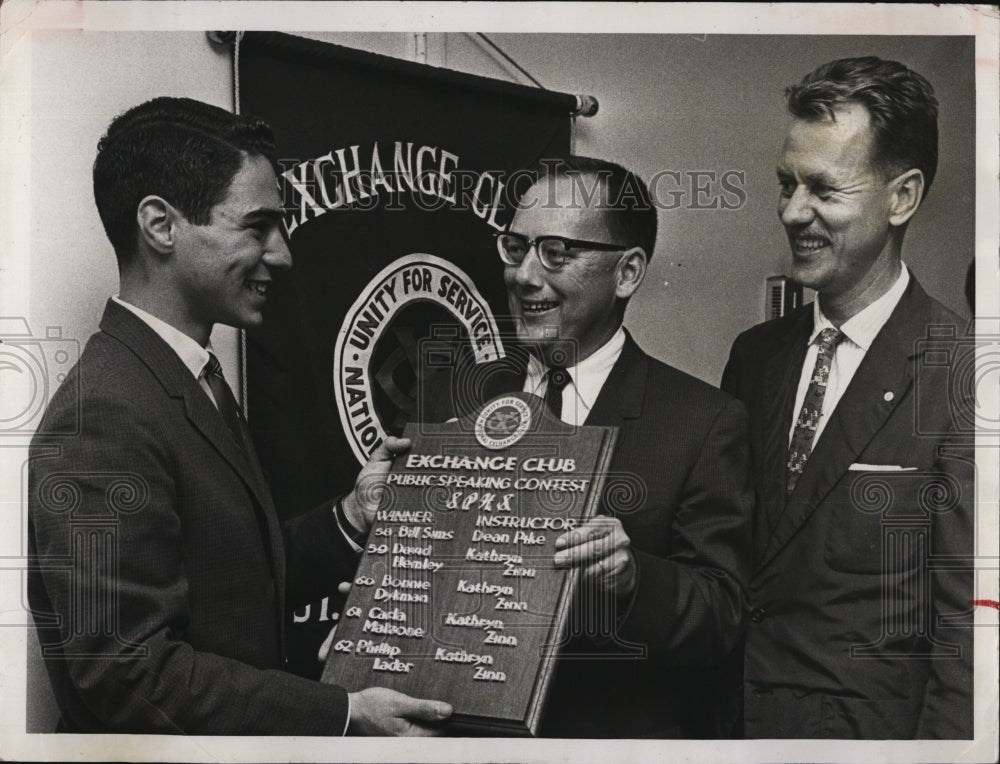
x,y
456,597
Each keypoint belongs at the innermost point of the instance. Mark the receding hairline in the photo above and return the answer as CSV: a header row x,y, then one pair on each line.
x,y
595,207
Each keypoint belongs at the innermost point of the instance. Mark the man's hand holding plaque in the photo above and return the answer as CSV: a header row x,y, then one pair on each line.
x,y
601,549
380,711
361,504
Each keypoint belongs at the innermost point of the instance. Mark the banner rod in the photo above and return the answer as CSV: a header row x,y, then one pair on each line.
x,y
284,44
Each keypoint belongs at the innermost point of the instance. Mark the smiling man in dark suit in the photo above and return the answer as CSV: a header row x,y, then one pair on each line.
x,y
664,564
161,574
864,477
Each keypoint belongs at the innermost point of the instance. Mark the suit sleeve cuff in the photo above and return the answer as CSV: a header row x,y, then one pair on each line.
x,y
626,604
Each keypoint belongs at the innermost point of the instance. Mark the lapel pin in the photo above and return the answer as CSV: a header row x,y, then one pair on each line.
x,y
889,395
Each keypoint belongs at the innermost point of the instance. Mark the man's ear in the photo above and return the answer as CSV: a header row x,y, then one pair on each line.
x,y
631,272
156,220
907,193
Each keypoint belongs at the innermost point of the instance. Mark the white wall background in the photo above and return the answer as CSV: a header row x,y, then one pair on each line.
x,y
680,103
677,103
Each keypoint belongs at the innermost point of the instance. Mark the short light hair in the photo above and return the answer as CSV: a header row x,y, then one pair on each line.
x,y
900,102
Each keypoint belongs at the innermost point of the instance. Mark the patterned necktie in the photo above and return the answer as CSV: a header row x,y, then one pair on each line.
x,y
812,406
558,379
224,399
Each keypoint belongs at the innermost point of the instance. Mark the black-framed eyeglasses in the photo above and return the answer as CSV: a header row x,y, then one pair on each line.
x,y
553,251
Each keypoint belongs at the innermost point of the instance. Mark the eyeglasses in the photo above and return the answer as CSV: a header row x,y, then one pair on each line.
x,y
553,251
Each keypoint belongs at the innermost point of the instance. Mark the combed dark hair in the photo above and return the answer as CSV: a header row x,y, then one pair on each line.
x,y
185,151
621,194
901,103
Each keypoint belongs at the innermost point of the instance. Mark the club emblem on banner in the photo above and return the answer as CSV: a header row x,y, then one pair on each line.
x,y
375,349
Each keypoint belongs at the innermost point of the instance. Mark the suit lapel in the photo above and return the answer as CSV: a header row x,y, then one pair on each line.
x,y
781,381
178,382
885,373
621,394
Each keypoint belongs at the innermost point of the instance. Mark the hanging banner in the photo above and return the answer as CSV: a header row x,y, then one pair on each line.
x,y
394,176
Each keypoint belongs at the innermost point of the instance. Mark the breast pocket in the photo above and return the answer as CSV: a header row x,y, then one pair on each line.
x,y
880,521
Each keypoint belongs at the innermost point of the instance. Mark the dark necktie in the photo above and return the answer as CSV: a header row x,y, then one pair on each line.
x,y
558,378
224,399
812,406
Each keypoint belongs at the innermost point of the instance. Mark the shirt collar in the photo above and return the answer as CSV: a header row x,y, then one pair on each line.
x,y
589,375
192,355
862,328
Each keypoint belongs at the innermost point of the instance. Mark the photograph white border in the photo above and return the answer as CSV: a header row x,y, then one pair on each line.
x,y
20,18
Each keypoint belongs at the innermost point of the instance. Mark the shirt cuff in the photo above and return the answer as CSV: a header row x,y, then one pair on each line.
x,y
355,537
348,722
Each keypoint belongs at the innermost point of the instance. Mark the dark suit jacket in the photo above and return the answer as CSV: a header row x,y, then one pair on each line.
x,y
855,633
682,449
159,554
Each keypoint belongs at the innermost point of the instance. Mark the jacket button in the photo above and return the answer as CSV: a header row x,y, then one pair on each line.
x,y
758,615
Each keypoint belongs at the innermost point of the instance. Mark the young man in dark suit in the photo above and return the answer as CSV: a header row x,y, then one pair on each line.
x,y
861,448
161,574
664,565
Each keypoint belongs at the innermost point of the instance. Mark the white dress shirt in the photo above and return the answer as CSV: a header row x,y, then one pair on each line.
x,y
192,355
586,379
859,333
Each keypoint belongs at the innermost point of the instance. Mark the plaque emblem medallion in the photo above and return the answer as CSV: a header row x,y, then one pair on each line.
x,y
502,423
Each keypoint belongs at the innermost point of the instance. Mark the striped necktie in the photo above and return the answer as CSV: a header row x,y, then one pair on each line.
x,y
224,399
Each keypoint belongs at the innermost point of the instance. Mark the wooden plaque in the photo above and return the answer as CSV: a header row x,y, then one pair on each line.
x,y
456,597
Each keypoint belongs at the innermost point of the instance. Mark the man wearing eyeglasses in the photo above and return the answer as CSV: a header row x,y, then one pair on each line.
x,y
663,570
